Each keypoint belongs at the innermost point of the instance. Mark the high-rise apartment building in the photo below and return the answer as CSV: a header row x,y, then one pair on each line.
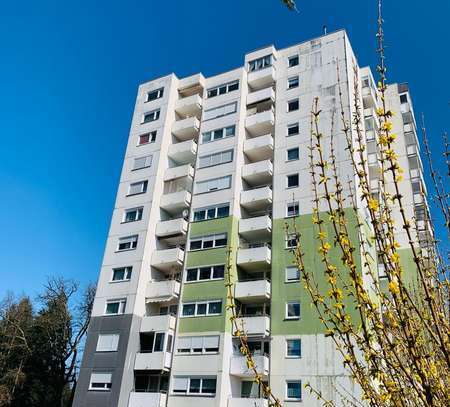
x,y
218,163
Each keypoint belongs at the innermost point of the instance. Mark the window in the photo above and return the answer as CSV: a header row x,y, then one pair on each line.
x,y
147,138
221,157
292,181
133,214
127,243
292,154
155,94
115,307
211,212
202,308
293,82
208,242
205,273
292,209
292,274
293,105
218,134
122,273
138,188
403,98
291,241
100,381
294,390
260,63
194,385
293,129
293,61
107,343
293,348
214,184
222,89
219,111
198,344
293,310
142,162
151,116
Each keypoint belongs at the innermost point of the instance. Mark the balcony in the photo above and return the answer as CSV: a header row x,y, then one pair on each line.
x,y
158,323
261,78
257,198
254,258
247,402
254,290
260,95
238,366
165,290
175,201
167,259
180,171
258,173
255,325
259,148
153,361
189,106
173,227
369,96
256,228
143,399
184,152
260,123
186,129
191,82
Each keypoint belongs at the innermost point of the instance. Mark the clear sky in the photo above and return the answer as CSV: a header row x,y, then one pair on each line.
x,y
69,72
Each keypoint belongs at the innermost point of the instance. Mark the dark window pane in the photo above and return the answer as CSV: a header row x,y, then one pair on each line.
x,y
205,273
194,386
218,271
191,275
201,309
195,245
223,211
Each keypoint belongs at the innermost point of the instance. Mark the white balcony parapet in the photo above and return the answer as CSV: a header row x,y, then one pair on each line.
x,y
153,361
171,227
247,402
191,82
183,152
254,257
238,365
260,95
167,259
260,122
180,171
259,172
175,201
162,290
262,77
254,290
259,148
256,198
186,128
156,323
257,227
144,399
189,106
255,325
369,97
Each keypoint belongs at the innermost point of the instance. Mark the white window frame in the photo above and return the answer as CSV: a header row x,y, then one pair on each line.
x,y
139,213
209,208
292,317
155,116
188,386
290,126
110,339
293,399
287,180
107,385
196,304
286,279
224,134
221,156
291,101
151,138
203,339
292,159
210,184
223,110
133,242
211,273
292,57
148,159
260,63
207,238
293,204
128,270
287,347
159,94
295,79
122,306
289,238
143,189
224,85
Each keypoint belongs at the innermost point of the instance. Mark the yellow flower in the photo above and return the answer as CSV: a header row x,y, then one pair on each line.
x,y
380,111
393,287
387,126
373,205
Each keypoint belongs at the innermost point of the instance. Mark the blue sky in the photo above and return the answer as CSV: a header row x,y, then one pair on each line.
x,y
69,74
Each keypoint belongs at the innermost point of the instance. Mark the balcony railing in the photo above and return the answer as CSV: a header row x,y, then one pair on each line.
x,y
167,259
257,198
255,325
153,361
259,172
252,290
189,106
247,402
259,148
162,290
180,171
184,152
238,366
262,77
175,201
255,228
186,129
145,399
155,323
